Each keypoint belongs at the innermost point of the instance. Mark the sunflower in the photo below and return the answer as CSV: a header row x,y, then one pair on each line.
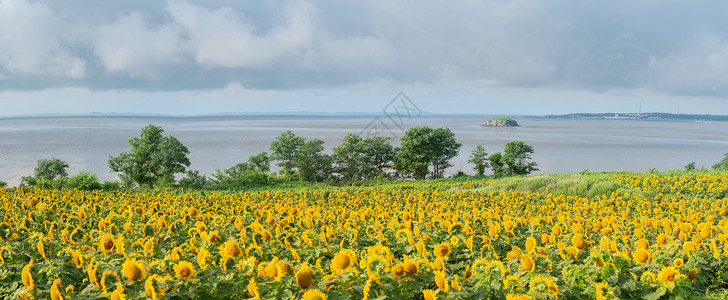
x,y
409,267
203,256
678,262
438,265
107,244
149,247
41,248
511,278
429,294
642,244
442,250
214,237
313,295
578,241
120,245
441,281
272,270
530,244
542,284
284,267
455,241
133,269
693,272
600,289
78,259
556,230
304,276
192,212
706,233
662,239
200,226
668,276
648,278
27,277
118,293
343,261
398,271
527,263
689,247
230,249
456,283
253,289
184,269
514,253
55,293
149,286
642,256
420,246
469,243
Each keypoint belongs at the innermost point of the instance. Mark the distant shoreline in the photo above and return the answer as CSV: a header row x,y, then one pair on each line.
x,y
713,119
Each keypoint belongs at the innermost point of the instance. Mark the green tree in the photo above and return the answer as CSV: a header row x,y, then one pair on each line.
x,y
50,169
690,167
496,164
378,154
359,158
480,159
285,150
193,180
516,156
260,162
153,160
349,158
312,163
423,147
723,164
443,147
46,170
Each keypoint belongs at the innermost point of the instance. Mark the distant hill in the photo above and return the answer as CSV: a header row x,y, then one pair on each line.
x,y
643,116
500,122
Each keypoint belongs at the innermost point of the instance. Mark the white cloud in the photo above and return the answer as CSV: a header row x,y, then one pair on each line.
x,y
130,44
700,69
31,39
224,38
354,52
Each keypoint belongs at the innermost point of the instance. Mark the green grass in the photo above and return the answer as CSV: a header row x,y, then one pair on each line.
x,y
502,118
582,184
575,184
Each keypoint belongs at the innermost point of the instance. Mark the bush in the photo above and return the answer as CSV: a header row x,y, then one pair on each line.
x,y
193,181
111,185
3,183
84,181
53,184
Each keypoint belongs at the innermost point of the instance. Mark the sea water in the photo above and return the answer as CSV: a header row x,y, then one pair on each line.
x,y
560,145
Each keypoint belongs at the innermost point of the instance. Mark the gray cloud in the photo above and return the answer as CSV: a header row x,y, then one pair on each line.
x,y
669,47
31,39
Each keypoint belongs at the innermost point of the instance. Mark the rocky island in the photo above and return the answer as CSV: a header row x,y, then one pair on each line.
x,y
500,122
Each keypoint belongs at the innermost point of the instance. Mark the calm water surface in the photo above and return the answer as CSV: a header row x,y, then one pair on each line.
x,y
561,146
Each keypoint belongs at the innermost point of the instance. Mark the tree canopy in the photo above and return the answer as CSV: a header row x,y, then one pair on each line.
x,y
285,150
423,147
358,158
516,156
153,159
480,159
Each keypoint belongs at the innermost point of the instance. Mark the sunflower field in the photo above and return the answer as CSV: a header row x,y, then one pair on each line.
x,y
658,237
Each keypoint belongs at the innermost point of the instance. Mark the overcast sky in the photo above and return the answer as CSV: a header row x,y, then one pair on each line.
x,y
489,57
